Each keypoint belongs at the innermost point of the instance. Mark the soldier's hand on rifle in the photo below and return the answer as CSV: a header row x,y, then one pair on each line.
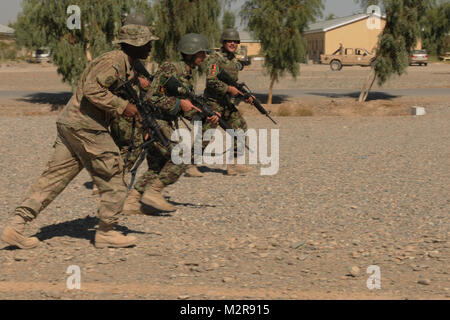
x,y
251,99
234,91
186,105
131,111
144,82
214,119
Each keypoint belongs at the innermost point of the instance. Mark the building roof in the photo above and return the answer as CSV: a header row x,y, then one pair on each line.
x,y
5,29
324,26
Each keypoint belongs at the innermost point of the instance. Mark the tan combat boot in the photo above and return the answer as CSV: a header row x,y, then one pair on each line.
x,y
192,171
132,204
235,169
107,237
152,197
95,190
13,234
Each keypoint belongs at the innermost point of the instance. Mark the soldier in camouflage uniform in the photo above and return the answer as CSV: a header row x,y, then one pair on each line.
x,y
162,171
219,94
83,141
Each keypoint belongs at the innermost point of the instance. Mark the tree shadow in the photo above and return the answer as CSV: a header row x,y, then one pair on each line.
x,y
57,100
373,95
276,98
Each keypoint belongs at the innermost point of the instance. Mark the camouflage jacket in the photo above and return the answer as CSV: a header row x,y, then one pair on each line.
x,y
93,105
216,62
170,105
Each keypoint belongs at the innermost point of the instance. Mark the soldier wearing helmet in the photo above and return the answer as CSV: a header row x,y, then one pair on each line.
x,y
162,171
83,141
220,95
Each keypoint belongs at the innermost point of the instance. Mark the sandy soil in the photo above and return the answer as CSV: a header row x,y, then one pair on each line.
x,y
358,185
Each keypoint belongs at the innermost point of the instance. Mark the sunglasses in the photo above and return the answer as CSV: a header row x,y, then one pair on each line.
x,y
233,41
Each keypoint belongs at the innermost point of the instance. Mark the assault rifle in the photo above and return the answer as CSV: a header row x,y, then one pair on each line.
x,y
140,69
175,88
148,111
225,77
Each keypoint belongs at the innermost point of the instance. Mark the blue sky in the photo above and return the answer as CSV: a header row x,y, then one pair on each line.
x,y
10,8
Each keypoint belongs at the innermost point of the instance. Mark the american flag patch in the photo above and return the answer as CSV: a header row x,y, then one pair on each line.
x,y
213,70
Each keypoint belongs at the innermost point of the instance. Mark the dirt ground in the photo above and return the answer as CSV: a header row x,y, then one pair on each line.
x,y
358,185
48,93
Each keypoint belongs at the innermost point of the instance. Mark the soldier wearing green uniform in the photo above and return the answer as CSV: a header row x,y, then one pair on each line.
x,y
83,141
221,95
161,170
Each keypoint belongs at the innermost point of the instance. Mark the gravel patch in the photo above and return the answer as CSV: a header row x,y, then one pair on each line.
x,y
350,193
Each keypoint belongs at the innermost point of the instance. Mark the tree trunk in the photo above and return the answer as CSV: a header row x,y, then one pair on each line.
x,y
272,82
368,83
88,52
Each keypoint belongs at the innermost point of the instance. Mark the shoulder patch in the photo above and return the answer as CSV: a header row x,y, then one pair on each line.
x,y
213,69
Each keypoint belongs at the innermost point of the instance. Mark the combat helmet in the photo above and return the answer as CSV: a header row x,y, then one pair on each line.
x,y
192,43
136,18
230,34
135,35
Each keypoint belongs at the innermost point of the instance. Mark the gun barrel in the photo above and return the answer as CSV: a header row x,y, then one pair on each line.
x,y
225,77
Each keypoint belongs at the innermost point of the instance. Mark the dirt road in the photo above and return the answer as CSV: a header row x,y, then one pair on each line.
x,y
355,188
350,193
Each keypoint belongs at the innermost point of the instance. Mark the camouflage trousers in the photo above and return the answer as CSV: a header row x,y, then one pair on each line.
x,y
73,151
233,117
160,165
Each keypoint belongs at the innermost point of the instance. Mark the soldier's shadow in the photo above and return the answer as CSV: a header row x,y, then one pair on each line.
x,y
82,228
188,204
204,169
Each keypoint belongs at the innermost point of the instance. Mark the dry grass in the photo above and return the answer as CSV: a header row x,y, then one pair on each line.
x,y
349,107
284,111
302,112
291,110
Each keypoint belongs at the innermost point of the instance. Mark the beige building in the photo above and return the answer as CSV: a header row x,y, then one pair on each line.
x,y
6,33
253,46
356,31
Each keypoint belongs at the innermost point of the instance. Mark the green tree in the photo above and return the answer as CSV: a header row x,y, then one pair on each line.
x,y
279,26
436,27
228,20
43,23
331,16
399,37
174,18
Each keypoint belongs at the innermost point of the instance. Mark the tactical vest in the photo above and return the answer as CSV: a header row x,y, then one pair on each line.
x,y
229,63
